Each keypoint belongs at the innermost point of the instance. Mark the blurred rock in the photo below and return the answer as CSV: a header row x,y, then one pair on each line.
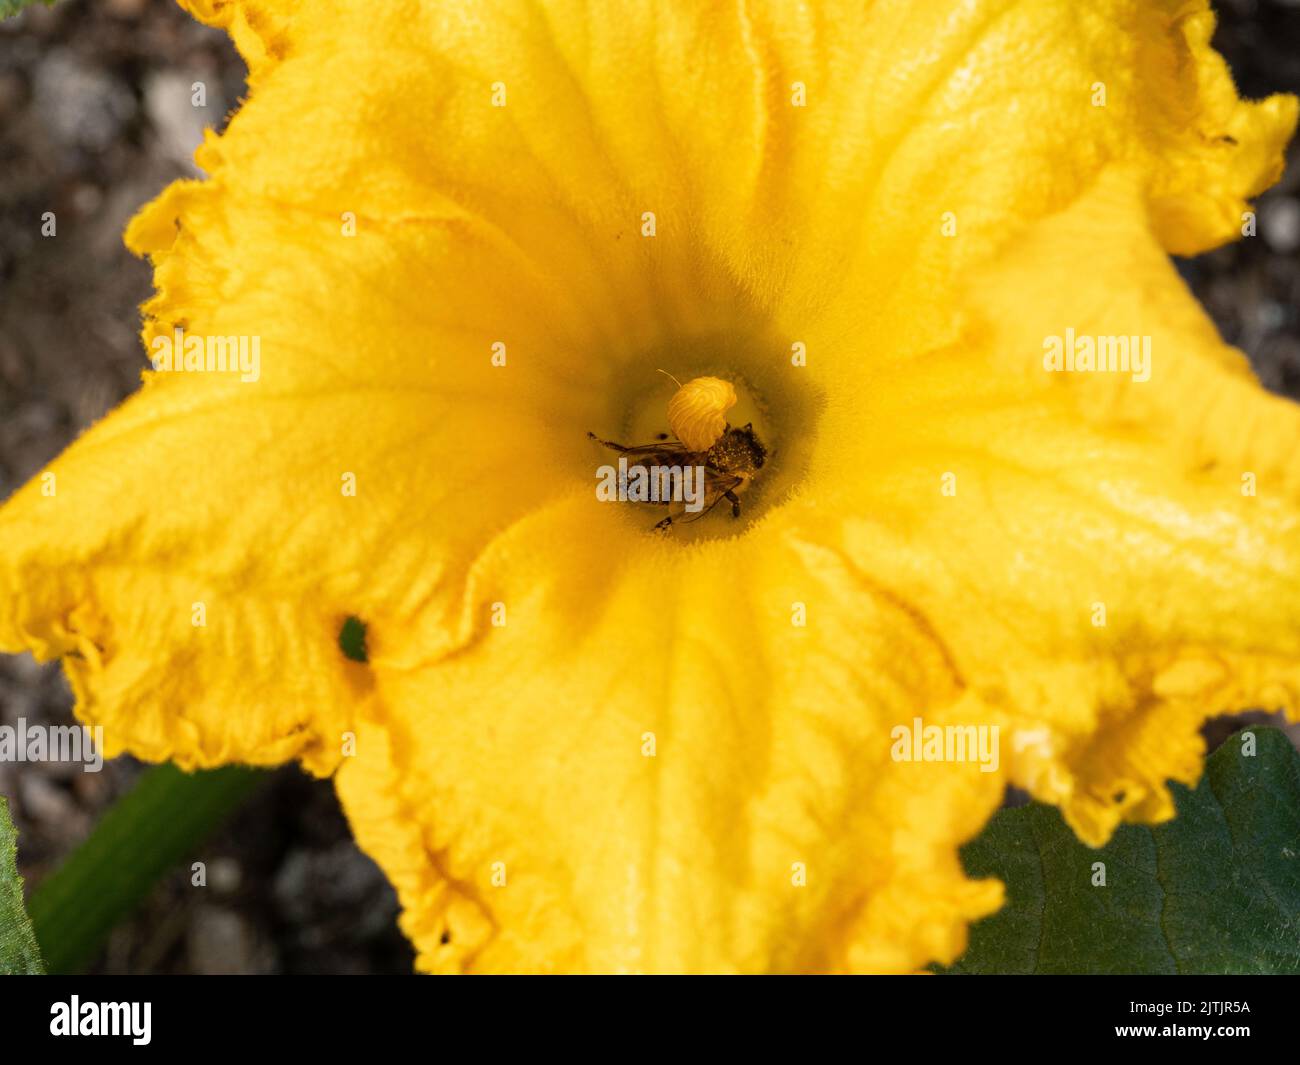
x,y
43,799
81,106
219,941
127,9
225,876
1279,222
338,878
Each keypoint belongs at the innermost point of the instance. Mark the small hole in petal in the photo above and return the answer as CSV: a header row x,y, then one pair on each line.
x,y
352,640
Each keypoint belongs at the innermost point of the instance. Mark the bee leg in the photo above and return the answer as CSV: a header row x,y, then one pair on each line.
x,y
608,443
664,526
734,500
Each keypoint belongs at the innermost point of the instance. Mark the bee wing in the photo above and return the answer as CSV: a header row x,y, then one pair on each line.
x,y
659,454
716,487
664,453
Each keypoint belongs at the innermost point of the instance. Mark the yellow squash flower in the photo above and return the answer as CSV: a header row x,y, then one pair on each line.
x,y
464,234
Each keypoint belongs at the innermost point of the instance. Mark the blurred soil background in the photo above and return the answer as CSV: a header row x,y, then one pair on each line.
x,y
95,119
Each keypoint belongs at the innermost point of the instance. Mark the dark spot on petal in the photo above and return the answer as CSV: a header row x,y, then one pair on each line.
x,y
352,640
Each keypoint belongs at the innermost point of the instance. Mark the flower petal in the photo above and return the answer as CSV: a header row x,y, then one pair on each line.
x,y
640,766
1118,559
272,504
381,227
851,132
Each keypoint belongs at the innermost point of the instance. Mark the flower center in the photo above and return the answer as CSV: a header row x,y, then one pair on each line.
x,y
773,402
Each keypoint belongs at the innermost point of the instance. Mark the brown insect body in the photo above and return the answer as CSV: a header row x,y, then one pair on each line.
x,y
730,465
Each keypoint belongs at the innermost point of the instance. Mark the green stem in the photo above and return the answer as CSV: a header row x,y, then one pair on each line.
x,y
157,824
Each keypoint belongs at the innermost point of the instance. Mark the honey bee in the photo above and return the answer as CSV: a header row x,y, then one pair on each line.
x,y
730,466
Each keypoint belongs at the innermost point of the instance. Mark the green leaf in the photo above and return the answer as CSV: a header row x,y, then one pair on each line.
x,y
1216,890
158,824
19,955
12,7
